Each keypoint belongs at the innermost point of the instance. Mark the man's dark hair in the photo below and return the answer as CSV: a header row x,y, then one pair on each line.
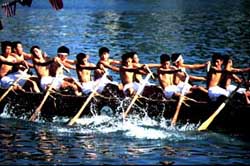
x,y
4,44
80,57
175,56
164,58
216,56
126,56
102,50
63,49
32,49
15,43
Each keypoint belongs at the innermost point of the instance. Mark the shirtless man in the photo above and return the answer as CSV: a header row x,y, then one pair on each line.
x,y
7,61
31,82
61,62
83,70
136,63
178,62
41,65
229,75
127,72
167,76
214,78
102,67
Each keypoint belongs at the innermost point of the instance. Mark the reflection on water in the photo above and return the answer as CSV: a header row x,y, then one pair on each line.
x,y
195,28
92,144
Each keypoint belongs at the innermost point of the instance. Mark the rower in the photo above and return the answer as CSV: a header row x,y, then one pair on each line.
x,y
178,61
214,77
229,75
7,62
61,62
31,83
83,70
127,72
167,75
41,65
136,63
103,65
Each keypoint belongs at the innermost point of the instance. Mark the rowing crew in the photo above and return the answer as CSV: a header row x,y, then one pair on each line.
x,y
171,76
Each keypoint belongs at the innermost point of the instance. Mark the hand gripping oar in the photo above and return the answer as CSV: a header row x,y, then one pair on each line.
x,y
14,83
205,124
139,91
74,119
39,108
177,111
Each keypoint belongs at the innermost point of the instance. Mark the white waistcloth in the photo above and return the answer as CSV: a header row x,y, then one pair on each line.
x,y
170,90
9,79
231,88
88,87
48,80
216,91
134,85
103,83
182,86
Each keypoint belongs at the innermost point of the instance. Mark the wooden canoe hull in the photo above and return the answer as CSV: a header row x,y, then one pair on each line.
x,y
233,118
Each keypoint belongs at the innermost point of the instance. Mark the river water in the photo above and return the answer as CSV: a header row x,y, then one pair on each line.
x,y
151,27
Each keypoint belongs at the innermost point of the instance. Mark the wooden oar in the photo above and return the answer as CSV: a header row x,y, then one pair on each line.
x,y
13,85
138,92
205,124
74,119
178,108
39,108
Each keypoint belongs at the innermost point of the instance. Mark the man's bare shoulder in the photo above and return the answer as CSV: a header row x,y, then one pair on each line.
x,y
112,61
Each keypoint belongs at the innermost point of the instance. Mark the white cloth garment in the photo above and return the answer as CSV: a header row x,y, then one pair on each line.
x,y
170,90
48,80
216,91
9,79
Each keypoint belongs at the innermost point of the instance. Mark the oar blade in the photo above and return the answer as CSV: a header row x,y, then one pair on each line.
x,y
205,124
76,117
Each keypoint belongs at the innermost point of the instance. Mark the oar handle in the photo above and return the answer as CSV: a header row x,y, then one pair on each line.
x,y
208,66
148,69
63,66
139,91
178,107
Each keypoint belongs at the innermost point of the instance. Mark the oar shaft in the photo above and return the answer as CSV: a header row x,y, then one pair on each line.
x,y
12,86
205,124
74,119
139,91
174,120
39,108
178,107
130,105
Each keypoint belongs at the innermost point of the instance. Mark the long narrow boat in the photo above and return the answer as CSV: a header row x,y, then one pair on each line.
x,y
234,118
